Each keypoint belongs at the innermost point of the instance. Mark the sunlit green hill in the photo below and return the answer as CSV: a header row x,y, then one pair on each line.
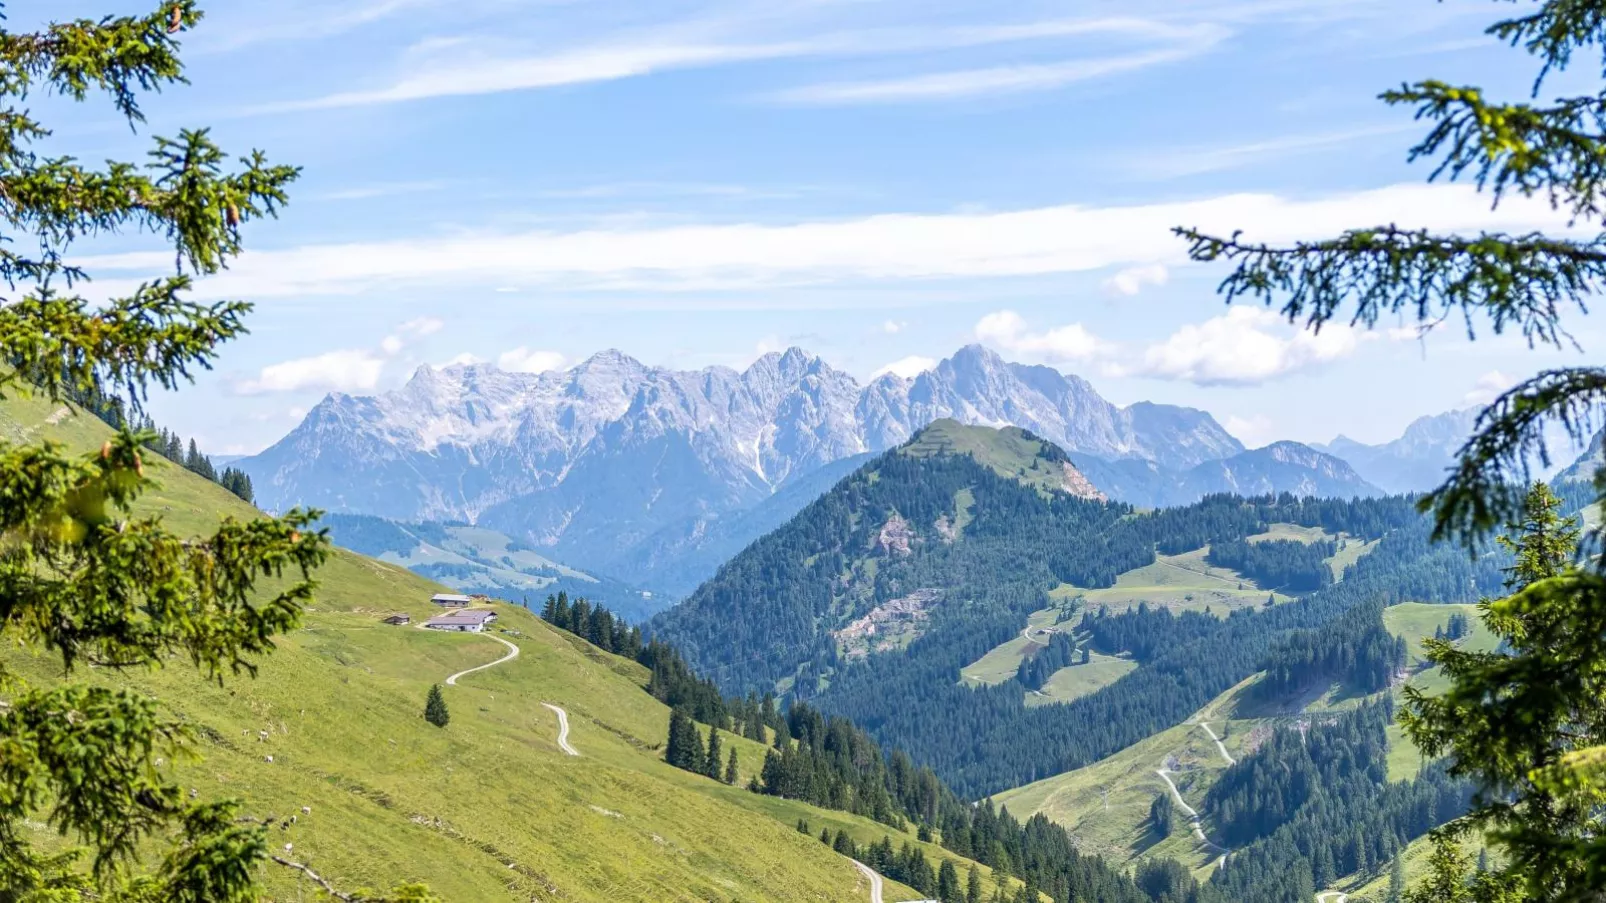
x,y
330,735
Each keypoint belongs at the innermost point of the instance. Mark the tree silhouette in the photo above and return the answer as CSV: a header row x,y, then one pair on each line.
x,y
435,707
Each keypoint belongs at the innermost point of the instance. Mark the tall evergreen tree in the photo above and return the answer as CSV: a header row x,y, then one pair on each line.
x,y
1529,726
711,760
82,579
435,707
948,890
685,746
1396,892
973,885
1514,720
730,768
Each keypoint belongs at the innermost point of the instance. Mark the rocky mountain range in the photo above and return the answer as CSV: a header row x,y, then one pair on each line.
x,y
1416,461
655,475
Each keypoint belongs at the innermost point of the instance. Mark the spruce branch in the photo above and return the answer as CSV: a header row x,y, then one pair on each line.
x,y
1521,282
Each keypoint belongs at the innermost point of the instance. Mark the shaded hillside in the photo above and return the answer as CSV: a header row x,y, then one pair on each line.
x,y
938,559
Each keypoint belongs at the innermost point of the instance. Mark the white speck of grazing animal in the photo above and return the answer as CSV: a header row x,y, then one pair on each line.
x,y
268,759
288,847
306,810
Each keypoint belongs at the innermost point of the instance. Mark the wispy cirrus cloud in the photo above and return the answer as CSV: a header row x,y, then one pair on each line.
x,y
1197,160
439,68
1176,44
867,249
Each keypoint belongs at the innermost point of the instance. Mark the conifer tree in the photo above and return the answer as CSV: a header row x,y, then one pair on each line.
x,y
948,890
83,579
1512,719
730,768
1396,882
435,707
973,885
1529,727
712,759
685,746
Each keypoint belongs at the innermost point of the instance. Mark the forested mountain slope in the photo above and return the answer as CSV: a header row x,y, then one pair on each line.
x,y
940,559
330,743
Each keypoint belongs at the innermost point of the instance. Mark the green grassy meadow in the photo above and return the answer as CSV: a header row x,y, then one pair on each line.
x,y
489,808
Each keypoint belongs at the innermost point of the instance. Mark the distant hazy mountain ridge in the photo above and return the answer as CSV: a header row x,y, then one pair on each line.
x,y
612,458
1415,462
656,476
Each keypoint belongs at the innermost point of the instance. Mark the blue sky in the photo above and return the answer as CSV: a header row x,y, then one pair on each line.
x,y
880,181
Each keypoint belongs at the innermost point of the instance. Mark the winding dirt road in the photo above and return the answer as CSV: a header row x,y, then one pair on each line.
x,y
513,653
1223,747
876,883
1194,821
563,730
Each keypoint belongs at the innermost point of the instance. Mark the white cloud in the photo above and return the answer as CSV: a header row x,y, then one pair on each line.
x,y
1133,280
465,358
525,360
1006,330
731,256
349,370
894,326
345,370
908,367
453,73
1253,431
1187,161
422,326
1244,346
1012,79
1489,387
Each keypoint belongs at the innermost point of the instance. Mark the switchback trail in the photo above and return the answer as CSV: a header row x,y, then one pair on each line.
x,y
1193,817
875,881
563,732
513,653
1223,747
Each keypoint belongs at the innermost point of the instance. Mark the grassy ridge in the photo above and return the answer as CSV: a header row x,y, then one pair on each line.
x,y
1010,452
488,808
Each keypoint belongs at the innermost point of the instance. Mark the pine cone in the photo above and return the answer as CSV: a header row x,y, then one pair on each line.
x,y
175,21
232,214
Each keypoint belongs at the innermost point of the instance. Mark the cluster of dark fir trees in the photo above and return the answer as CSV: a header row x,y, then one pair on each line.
x,y
1314,803
908,865
114,413
1287,565
768,615
1356,651
1061,652
831,763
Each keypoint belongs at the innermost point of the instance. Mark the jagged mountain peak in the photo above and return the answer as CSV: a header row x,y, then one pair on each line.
x,y
1414,462
1583,470
606,456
